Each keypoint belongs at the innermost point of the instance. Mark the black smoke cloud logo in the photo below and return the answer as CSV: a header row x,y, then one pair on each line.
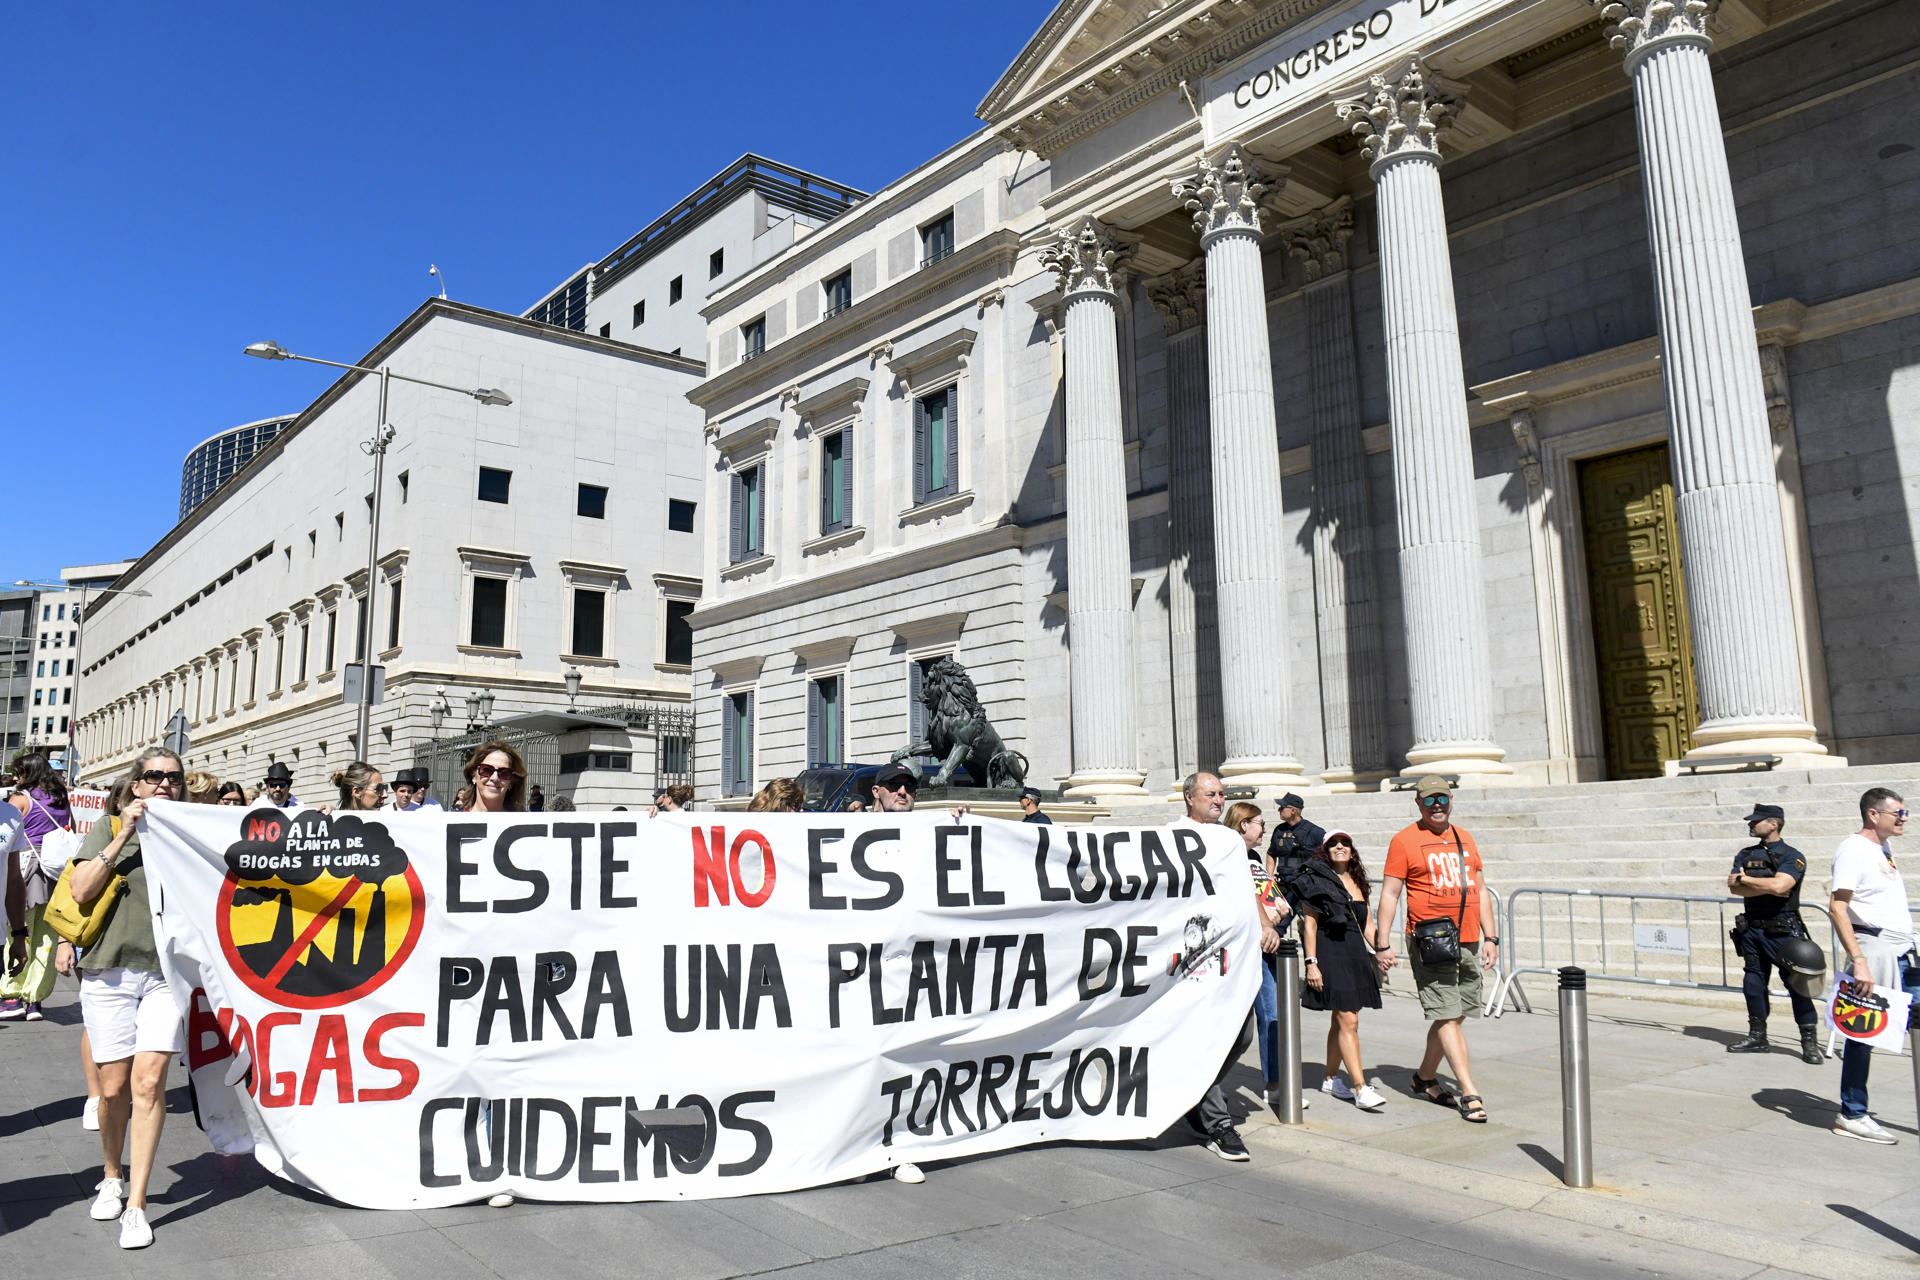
x,y
296,850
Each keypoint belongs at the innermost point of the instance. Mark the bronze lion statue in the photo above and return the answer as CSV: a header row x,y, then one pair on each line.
x,y
958,732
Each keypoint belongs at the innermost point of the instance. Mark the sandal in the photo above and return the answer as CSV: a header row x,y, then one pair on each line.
x,y
1433,1091
1471,1109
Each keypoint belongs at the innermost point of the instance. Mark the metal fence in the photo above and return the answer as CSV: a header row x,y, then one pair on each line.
x,y
669,724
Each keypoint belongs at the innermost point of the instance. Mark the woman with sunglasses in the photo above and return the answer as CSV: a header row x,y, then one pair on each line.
x,y
1341,976
133,1023
496,781
361,787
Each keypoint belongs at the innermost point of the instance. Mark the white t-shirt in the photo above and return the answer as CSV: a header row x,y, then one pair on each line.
x,y
1879,894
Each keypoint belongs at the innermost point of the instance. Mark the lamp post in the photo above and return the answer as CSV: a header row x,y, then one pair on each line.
x,y
479,710
79,667
376,447
573,686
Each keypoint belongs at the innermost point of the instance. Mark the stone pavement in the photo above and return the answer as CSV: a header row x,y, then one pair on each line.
x,y
1707,1165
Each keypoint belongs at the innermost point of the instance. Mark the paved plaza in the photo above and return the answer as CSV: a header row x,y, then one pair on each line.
x,y
1706,1165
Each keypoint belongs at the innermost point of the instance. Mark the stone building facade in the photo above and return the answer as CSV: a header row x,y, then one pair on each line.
x,y
1526,389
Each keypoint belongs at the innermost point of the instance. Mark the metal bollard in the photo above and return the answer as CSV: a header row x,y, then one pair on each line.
x,y
1913,1052
1288,957
1576,1090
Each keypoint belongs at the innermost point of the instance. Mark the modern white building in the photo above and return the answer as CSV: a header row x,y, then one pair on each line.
x,y
219,458
518,544
58,618
1323,390
17,612
651,289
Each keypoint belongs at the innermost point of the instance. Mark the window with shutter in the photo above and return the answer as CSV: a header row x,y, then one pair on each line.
x,y
919,451
951,417
917,711
736,520
729,757
746,743
936,445
835,487
846,477
757,501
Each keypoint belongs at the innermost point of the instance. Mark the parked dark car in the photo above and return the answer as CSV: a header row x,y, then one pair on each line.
x,y
826,788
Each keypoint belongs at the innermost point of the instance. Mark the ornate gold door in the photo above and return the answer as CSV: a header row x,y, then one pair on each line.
x,y
1647,704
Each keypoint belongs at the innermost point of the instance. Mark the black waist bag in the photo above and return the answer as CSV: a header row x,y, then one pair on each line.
x,y
1437,942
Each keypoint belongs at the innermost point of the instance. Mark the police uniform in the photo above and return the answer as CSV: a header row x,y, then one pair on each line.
x,y
1291,847
1758,931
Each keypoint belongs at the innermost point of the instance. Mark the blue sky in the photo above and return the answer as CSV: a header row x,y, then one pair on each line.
x,y
183,179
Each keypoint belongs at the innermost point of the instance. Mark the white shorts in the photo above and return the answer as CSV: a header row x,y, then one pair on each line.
x,y
129,1011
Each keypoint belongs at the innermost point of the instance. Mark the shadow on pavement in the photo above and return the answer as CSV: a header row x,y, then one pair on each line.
x,y
26,1200
1546,1160
1719,1035
208,1181
1910,1243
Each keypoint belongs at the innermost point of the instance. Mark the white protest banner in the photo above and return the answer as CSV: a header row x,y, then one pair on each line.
x,y
1878,1019
87,806
427,1009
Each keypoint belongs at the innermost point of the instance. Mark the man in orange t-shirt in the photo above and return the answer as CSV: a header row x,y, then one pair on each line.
x,y
1438,866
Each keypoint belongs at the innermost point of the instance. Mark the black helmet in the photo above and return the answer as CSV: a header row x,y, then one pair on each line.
x,y
1805,965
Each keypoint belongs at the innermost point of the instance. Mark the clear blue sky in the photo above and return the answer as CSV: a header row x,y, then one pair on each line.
x,y
183,179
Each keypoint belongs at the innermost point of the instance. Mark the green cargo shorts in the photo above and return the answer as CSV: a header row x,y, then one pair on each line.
x,y
1449,990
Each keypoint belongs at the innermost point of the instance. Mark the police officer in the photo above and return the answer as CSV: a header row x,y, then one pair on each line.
x,y
1767,874
1292,845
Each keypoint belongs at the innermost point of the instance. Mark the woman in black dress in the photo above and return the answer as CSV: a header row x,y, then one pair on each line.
x,y
1341,976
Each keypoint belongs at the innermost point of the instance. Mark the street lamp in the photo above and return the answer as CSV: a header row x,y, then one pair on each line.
x,y
79,668
573,685
376,448
479,710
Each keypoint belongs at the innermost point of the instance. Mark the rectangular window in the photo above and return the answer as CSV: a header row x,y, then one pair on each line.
x,y
36,726
360,629
279,660
599,761
593,502
736,744
339,526
716,263
673,290
63,723
839,293
589,623
680,515
606,330
60,613
489,622
639,313
369,501
305,635
745,537
333,630
679,633
836,481
46,613
753,339
69,666
73,637
37,695
403,487
40,669
936,445
17,704
824,721
494,484
58,636
393,615
936,240
253,676
917,710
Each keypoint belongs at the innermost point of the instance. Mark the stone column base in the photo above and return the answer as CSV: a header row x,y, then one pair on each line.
x,y
1464,758
1259,771
1792,740
1106,782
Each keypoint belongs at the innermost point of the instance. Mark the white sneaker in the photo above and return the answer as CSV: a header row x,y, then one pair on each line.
x,y
90,1116
106,1205
1336,1084
1369,1098
134,1231
1865,1128
908,1173
500,1201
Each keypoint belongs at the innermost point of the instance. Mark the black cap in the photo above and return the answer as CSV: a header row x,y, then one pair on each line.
x,y
1760,811
278,772
893,773
1291,799
1028,793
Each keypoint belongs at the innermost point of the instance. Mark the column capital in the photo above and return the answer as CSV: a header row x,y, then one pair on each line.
x,y
1319,240
1403,113
1181,296
1088,257
1637,27
1226,194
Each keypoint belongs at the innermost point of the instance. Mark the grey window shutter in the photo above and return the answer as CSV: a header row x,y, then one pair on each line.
x,y
919,450
826,492
738,504
760,510
916,713
814,753
953,439
746,742
846,477
729,743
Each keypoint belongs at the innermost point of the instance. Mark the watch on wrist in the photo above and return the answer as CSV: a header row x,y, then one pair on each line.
x,y
1494,940
1312,960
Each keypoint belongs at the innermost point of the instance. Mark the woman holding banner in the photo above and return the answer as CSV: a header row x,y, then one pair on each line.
x,y
496,781
361,787
133,1023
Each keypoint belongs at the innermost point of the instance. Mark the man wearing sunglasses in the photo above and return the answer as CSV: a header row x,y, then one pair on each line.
x,y
1875,927
276,789
1437,865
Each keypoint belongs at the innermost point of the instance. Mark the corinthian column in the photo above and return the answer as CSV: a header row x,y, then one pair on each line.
x,y
1249,544
1733,554
1193,631
1399,120
1351,681
1099,554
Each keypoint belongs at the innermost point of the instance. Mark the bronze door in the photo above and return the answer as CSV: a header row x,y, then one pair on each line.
x,y
1647,704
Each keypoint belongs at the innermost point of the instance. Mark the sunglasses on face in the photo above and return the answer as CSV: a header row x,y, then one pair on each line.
x,y
1898,815
482,772
904,784
1436,802
154,777
379,790
273,785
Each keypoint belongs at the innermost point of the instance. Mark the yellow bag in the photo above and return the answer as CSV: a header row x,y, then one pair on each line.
x,y
81,925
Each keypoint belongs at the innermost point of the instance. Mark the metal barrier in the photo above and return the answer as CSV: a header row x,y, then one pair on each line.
x,y
1725,965
1501,963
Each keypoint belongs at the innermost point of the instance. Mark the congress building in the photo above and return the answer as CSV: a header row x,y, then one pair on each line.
x,y
1331,390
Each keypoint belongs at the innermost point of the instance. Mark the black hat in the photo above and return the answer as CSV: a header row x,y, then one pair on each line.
x,y
278,772
892,773
409,777
1760,811
1029,793
1291,799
